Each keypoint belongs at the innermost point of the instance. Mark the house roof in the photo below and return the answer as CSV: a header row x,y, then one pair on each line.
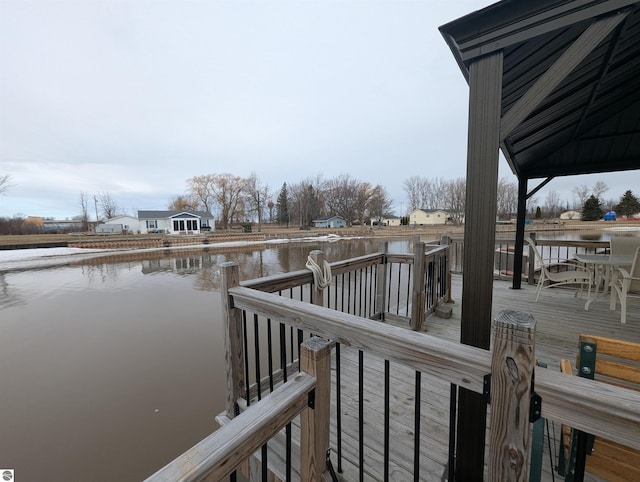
x,y
327,218
172,214
432,210
571,81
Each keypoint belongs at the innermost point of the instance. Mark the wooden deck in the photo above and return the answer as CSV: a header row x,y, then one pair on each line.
x,y
560,318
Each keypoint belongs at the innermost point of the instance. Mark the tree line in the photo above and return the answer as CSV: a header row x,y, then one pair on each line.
x,y
233,199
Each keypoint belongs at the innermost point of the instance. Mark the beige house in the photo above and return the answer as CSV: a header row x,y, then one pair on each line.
x,y
391,221
576,215
428,217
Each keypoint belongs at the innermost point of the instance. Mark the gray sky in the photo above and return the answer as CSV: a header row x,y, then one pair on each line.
x,y
135,97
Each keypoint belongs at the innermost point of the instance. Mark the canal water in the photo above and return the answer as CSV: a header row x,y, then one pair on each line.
x,y
111,367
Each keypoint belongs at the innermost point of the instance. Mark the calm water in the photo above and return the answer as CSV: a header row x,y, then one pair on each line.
x,y
112,367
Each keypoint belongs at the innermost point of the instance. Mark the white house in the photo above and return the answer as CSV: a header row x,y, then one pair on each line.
x,y
391,221
171,222
576,215
330,222
428,217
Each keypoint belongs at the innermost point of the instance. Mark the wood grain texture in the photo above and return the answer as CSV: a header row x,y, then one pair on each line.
x,y
511,373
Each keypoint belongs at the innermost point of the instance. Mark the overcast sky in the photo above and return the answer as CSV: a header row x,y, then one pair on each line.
x,y
134,97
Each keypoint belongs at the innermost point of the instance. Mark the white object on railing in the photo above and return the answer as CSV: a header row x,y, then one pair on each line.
x,y
321,278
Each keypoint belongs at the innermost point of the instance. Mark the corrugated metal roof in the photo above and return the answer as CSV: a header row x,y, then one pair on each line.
x,y
590,121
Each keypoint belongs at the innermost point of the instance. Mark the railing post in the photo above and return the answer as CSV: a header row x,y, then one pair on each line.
x,y
234,350
531,269
512,368
317,295
381,280
315,359
445,240
418,295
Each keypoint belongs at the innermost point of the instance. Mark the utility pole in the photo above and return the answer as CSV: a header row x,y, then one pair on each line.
x,y
95,202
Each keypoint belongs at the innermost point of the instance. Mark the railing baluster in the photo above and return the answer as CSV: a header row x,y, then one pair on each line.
x,y
338,409
386,420
416,430
453,407
246,357
256,344
361,414
270,354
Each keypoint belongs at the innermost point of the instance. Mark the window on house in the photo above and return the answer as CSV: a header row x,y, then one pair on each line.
x,y
152,224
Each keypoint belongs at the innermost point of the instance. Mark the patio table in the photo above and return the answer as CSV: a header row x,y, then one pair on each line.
x,y
602,266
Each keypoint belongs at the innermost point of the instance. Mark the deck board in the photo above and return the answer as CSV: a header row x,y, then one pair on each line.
x,y
560,318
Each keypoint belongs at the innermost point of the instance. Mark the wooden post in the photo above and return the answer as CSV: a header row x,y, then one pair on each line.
x,y
445,240
317,295
315,359
531,270
381,280
520,224
234,349
512,368
418,295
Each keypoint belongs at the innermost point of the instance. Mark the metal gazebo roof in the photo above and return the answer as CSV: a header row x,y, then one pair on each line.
x,y
571,81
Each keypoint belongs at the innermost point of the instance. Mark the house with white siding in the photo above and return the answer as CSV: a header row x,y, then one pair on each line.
x,y
170,222
330,222
429,217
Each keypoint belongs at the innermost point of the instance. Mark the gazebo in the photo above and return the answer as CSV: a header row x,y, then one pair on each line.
x,y
555,85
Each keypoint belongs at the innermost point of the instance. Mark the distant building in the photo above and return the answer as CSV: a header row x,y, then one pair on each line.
x,y
330,222
170,222
575,215
429,217
392,221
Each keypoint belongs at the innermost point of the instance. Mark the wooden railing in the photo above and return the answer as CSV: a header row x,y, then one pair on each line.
x,y
551,249
306,394
297,309
609,411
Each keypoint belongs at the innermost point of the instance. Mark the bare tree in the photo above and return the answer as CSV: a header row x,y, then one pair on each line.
x,y
413,189
343,196
380,203
552,204
183,203
257,197
107,204
581,194
456,191
203,190
599,188
227,191
507,198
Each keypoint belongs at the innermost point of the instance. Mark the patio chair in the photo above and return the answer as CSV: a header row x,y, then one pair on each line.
x,y
624,245
605,360
560,274
624,285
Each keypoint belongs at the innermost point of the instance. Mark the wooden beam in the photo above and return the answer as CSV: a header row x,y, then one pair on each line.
x,y
520,222
562,67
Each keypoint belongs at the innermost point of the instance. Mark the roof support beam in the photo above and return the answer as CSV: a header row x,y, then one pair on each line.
x,y
485,98
539,186
562,67
547,20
